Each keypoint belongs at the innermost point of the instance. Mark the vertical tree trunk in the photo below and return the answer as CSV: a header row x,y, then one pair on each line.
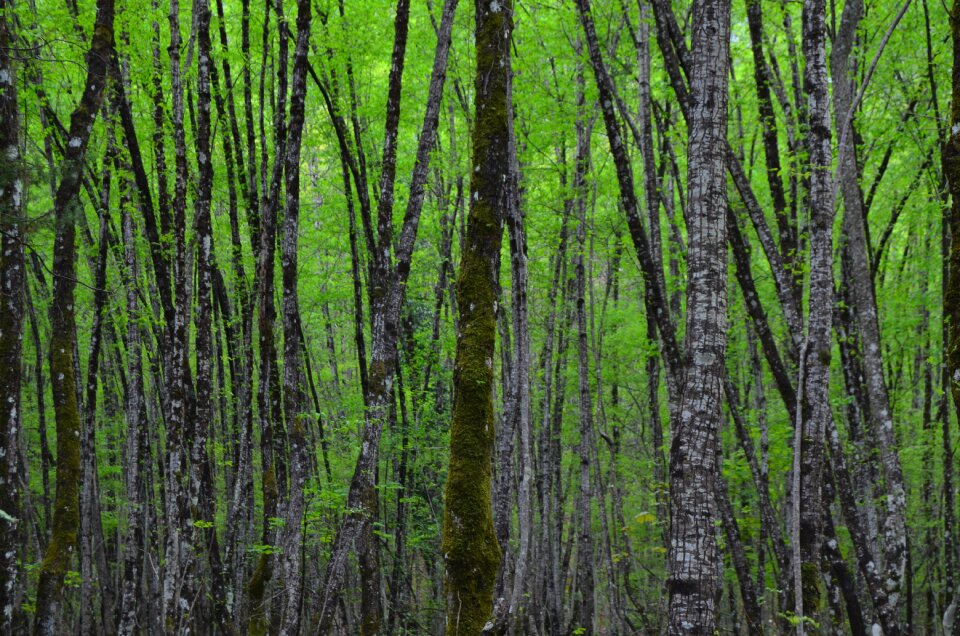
x,y
133,540
864,296
693,558
91,530
12,284
67,208
294,398
202,486
814,384
584,603
470,549
951,295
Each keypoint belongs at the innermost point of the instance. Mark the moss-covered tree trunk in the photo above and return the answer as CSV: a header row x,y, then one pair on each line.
x,y
11,330
67,207
470,549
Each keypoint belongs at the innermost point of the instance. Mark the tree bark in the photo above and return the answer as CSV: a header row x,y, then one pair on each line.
x,y
863,294
12,288
389,274
67,208
471,553
693,559
584,602
294,397
814,412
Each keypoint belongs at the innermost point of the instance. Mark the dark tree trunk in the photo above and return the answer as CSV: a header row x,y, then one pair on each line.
x,y
294,398
814,384
584,602
693,558
12,284
67,207
389,272
951,296
470,549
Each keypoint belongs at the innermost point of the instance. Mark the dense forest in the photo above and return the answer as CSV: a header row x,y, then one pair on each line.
x,y
543,317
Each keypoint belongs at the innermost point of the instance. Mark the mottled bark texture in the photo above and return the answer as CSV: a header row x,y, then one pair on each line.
x,y
178,563
67,208
12,279
470,549
860,283
133,538
813,387
693,559
584,608
202,486
294,397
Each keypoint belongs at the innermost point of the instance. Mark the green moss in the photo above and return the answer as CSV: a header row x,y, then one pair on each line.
x,y
810,577
66,516
470,549
256,590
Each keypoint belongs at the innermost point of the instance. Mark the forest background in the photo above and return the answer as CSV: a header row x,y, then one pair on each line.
x,y
230,241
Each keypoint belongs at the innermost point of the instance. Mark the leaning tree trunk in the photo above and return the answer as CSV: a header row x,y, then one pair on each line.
x,y
860,282
814,384
12,281
67,207
693,557
471,553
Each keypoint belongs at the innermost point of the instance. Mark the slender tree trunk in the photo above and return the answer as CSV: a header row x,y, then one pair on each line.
x,y
202,486
294,398
470,549
951,298
67,208
133,541
12,288
814,405
584,603
92,556
516,231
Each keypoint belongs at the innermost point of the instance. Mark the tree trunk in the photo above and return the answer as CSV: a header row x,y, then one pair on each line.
x,y
584,602
470,549
12,287
951,295
67,207
133,541
814,384
294,398
863,295
693,559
